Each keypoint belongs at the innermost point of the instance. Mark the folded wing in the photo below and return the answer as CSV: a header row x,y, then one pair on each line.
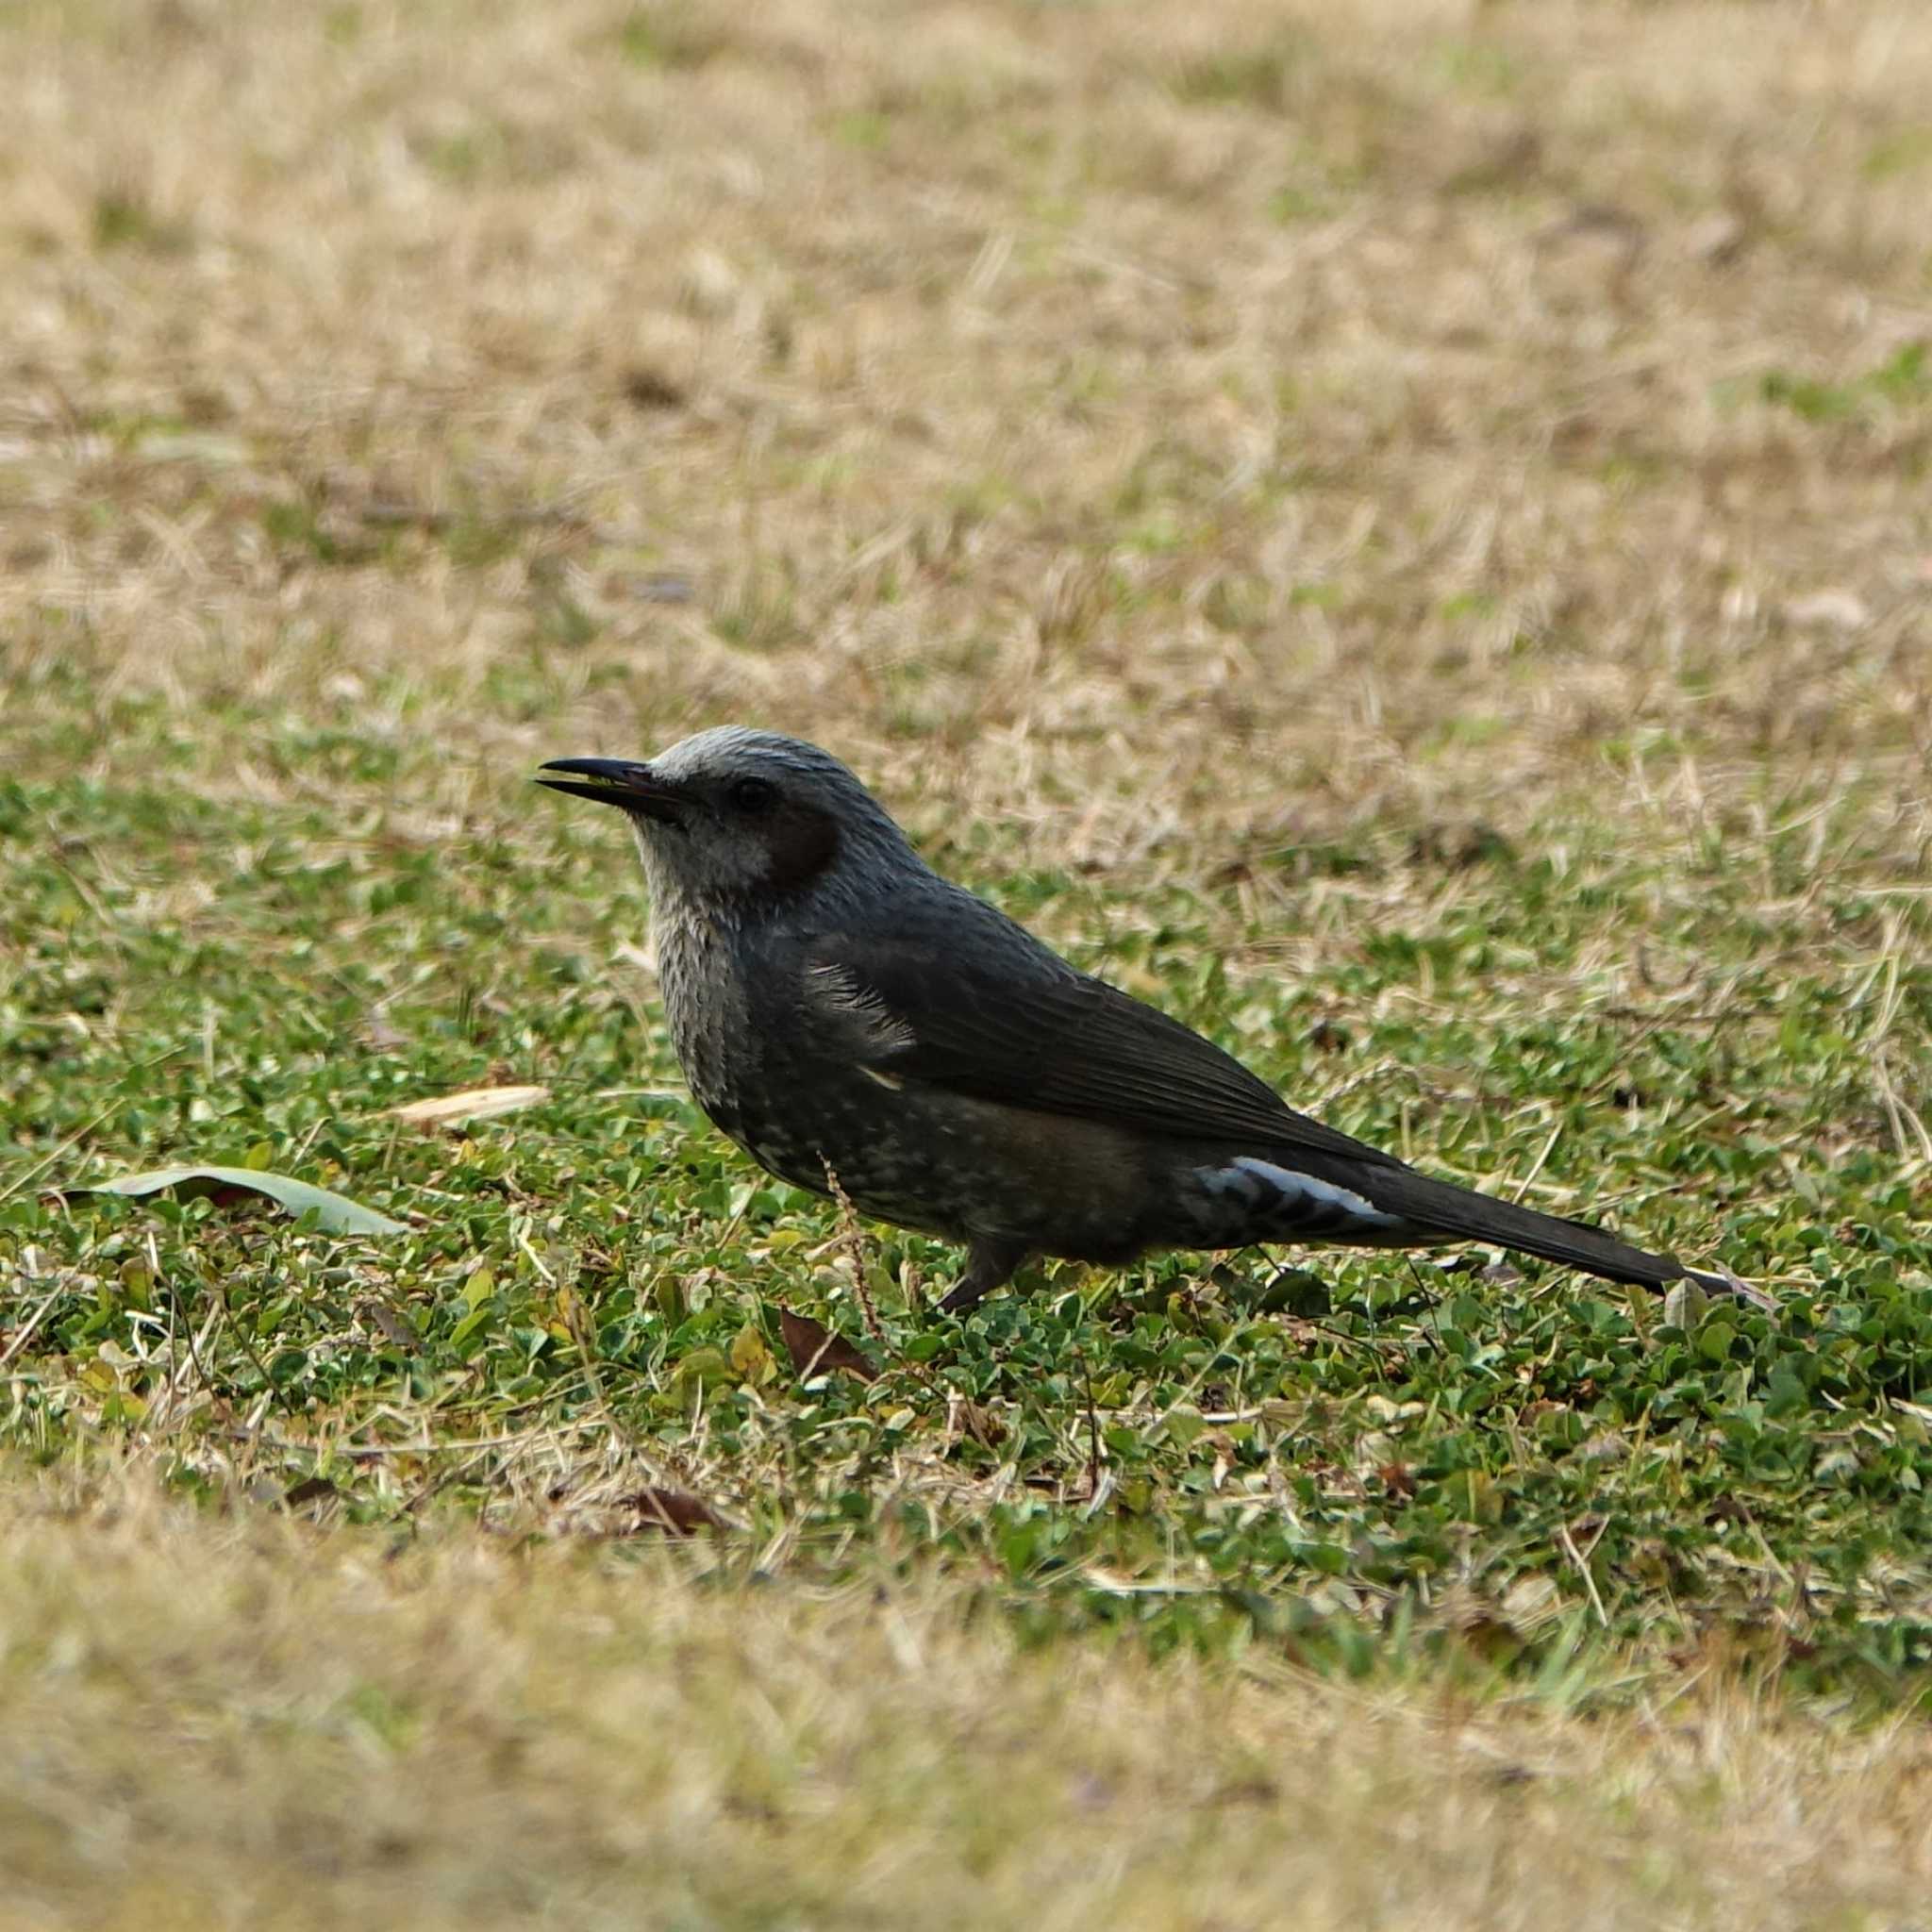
x,y
1057,1042
1060,1043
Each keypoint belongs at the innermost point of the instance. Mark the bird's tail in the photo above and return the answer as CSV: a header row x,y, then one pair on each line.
x,y
1461,1214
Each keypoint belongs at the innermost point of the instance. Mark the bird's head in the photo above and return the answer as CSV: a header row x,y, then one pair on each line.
x,y
740,820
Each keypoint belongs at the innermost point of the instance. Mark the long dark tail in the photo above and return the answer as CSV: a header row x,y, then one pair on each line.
x,y
1461,1214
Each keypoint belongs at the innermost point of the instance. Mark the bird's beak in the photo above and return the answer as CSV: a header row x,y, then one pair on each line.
x,y
619,781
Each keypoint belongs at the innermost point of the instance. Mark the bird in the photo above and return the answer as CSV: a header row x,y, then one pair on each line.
x,y
858,1023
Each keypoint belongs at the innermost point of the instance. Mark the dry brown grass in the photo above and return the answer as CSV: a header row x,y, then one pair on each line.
x,y
1357,408
226,1722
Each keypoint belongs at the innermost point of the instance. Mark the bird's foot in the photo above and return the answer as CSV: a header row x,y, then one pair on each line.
x,y
989,1265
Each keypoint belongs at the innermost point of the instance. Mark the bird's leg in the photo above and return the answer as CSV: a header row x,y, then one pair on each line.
x,y
989,1264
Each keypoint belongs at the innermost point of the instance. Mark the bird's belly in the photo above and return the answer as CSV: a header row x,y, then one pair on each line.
x,y
944,1163
888,1166
968,1169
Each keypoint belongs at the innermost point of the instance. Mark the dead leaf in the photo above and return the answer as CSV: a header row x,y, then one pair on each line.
x,y
1835,609
380,1315
812,1346
473,1104
676,1512
966,1417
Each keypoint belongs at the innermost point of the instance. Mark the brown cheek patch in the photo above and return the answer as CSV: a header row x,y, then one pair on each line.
x,y
801,843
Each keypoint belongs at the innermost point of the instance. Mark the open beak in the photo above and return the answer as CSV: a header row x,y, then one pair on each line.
x,y
618,781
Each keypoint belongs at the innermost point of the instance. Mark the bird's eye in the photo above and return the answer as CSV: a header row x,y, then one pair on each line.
x,y
753,795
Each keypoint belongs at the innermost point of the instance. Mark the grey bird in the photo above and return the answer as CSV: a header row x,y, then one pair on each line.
x,y
835,1004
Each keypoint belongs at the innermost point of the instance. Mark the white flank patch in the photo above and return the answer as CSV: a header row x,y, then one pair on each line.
x,y
1247,1172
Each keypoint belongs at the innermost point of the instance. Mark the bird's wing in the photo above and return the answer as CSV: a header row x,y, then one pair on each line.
x,y
1054,1041
1048,1037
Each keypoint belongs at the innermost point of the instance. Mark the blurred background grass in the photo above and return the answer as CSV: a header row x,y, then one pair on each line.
x,y
1401,532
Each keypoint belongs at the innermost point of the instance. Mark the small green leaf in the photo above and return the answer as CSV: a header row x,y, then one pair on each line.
x,y
470,1324
1184,1424
703,1368
1684,1305
750,1356
1714,1340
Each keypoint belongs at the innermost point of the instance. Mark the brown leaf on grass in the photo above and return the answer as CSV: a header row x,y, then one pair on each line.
x,y
472,1103
394,1325
676,1512
812,1346
966,1417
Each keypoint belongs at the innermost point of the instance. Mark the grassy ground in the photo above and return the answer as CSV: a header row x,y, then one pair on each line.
x,y
1400,532
401,1734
